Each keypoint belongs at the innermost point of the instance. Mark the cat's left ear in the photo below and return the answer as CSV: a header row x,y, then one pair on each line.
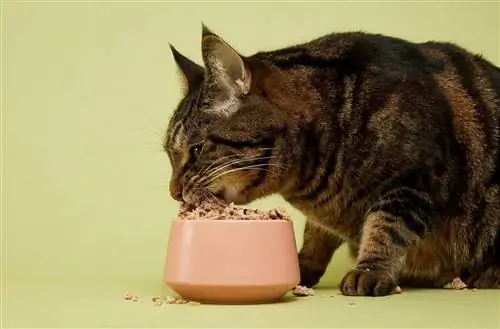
x,y
223,63
191,73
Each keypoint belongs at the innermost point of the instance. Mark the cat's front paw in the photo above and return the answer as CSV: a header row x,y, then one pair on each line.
x,y
367,282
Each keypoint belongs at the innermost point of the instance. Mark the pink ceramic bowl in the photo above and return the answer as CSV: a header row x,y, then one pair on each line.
x,y
231,261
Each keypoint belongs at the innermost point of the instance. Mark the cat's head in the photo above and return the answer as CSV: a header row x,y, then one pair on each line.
x,y
224,136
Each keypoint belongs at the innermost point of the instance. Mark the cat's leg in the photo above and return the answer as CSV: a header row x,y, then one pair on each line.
x,y
316,252
487,275
353,250
394,223
487,279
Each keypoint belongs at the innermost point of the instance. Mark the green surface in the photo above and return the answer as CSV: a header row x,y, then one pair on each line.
x,y
87,90
88,305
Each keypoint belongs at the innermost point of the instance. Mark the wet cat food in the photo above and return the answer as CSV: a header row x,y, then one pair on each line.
x,y
215,210
302,291
456,284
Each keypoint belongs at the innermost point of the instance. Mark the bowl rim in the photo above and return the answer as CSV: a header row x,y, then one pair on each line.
x,y
232,220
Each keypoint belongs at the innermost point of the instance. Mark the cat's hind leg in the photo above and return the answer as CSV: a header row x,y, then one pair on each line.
x,y
487,279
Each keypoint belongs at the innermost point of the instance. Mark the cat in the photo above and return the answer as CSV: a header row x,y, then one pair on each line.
x,y
389,146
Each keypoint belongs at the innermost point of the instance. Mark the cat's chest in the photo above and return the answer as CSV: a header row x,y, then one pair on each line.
x,y
336,216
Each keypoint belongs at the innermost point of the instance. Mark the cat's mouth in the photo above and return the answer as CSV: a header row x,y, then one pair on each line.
x,y
229,194
220,194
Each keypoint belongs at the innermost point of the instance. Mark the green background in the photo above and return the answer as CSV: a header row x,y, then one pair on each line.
x,y
87,91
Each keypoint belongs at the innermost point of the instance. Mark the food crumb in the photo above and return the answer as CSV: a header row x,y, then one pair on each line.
x,y
159,301
398,290
302,291
170,300
129,296
456,284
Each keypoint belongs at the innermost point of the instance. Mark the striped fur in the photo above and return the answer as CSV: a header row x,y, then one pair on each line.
x,y
390,146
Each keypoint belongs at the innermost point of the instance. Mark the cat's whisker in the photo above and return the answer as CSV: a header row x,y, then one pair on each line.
x,y
250,167
156,133
212,197
231,163
204,170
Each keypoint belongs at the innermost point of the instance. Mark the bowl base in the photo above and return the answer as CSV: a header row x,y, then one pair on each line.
x,y
231,294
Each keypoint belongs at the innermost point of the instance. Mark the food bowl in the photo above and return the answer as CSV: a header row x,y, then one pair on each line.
x,y
231,261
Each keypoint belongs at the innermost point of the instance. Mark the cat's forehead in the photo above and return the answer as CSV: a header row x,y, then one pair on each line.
x,y
184,133
188,129
207,105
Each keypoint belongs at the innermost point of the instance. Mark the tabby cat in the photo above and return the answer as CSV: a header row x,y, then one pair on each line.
x,y
390,146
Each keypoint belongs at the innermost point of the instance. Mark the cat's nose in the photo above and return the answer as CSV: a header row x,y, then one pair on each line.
x,y
176,191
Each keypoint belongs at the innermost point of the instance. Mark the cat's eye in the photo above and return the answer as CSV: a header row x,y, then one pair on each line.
x,y
195,151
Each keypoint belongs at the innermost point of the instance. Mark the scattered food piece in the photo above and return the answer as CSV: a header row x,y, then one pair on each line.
x,y
218,210
129,296
456,284
301,291
398,290
159,301
474,289
170,299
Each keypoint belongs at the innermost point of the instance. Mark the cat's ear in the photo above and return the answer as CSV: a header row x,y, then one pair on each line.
x,y
223,63
191,73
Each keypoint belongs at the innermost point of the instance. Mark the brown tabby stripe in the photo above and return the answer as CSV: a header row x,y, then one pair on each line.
x,y
309,161
186,107
360,110
374,260
261,174
383,242
239,144
478,213
466,71
316,181
490,72
401,203
353,60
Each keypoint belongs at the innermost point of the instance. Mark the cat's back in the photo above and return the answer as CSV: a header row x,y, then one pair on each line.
x,y
358,52
462,81
446,95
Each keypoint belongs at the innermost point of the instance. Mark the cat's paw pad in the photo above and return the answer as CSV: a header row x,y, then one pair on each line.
x,y
367,282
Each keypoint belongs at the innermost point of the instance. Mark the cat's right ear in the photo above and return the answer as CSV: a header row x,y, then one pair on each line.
x,y
191,73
